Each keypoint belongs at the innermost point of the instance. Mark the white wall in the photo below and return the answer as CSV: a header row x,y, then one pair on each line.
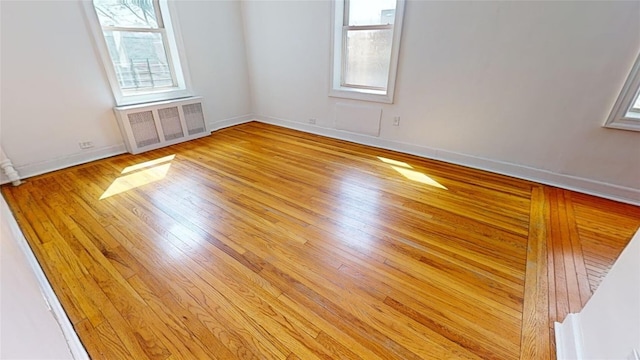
x,y
54,91
213,37
518,87
609,325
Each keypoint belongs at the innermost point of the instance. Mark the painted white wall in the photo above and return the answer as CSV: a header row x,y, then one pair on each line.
x,y
515,87
55,92
524,84
28,330
213,38
609,325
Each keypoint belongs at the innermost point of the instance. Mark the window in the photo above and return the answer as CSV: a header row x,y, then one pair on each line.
x,y
366,39
626,111
138,45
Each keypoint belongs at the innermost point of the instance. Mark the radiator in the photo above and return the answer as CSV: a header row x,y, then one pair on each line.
x,y
150,126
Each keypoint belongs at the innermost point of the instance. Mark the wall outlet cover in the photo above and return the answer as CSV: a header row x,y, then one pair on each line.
x,y
85,144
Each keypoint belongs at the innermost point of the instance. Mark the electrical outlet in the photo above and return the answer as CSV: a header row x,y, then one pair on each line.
x,y
396,121
312,121
85,144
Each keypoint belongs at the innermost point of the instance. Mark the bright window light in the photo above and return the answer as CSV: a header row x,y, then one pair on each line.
x,y
626,111
365,48
138,44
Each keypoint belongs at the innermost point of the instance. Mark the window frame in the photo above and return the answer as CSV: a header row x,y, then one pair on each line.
x,y
622,115
169,29
340,27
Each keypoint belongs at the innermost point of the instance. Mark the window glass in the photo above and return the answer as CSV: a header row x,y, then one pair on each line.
x,y
132,14
366,42
138,44
368,56
625,114
636,105
371,12
139,59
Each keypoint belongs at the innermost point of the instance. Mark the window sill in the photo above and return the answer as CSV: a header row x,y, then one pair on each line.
x,y
624,124
133,98
362,94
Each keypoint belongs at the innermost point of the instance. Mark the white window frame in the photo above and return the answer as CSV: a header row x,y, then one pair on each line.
x,y
173,48
622,116
338,35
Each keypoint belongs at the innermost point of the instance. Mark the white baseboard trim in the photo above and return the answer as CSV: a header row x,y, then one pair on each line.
x,y
587,186
73,341
237,120
569,182
38,168
569,343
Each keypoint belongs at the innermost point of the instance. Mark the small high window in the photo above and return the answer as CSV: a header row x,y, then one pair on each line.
x,y
626,111
366,42
138,45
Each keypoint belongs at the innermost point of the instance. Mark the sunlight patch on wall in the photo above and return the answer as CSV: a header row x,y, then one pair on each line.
x,y
406,170
139,175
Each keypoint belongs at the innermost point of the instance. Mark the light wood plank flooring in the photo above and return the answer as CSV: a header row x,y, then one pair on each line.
x,y
260,242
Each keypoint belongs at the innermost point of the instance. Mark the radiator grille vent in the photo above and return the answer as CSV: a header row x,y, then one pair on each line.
x,y
144,128
154,125
170,120
194,118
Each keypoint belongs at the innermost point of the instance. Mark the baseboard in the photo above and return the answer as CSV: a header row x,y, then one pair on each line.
x,y
46,166
569,338
583,185
237,120
73,341
587,186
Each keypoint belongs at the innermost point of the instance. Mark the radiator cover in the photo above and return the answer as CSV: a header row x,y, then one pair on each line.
x,y
151,126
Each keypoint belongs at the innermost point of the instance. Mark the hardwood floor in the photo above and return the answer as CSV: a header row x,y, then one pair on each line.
x,y
260,242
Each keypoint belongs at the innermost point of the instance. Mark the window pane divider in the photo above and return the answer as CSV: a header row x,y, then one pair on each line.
x,y
128,29
156,7
368,27
172,69
363,87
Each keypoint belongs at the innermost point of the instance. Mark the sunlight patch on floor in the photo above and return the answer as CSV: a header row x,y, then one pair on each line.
x,y
418,176
406,170
395,162
149,163
139,175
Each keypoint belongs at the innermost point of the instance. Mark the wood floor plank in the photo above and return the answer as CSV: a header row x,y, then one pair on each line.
x,y
219,322
571,273
604,227
261,242
114,348
179,340
560,271
451,315
551,270
93,341
535,314
576,248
